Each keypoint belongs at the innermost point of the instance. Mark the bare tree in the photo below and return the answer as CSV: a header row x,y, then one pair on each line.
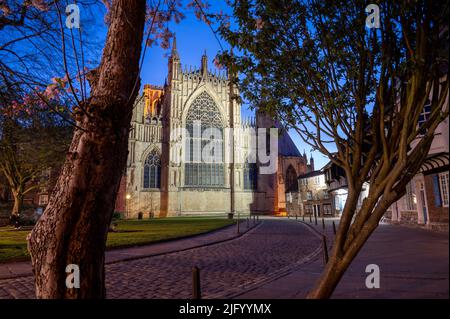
x,y
23,158
353,93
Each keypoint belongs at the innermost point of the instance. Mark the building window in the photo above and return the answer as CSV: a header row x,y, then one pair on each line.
x,y
308,209
45,174
309,195
317,180
326,195
43,200
152,171
443,183
327,210
289,198
291,179
423,117
204,115
250,175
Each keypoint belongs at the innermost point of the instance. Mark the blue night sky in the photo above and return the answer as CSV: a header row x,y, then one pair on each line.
x,y
193,38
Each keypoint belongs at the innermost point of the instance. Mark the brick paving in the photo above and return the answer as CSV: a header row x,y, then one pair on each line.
x,y
23,268
413,262
265,253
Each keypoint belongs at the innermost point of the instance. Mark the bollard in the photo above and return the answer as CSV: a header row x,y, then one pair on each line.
x,y
310,218
296,217
315,219
247,223
303,217
334,228
323,223
254,220
237,226
257,218
324,248
196,291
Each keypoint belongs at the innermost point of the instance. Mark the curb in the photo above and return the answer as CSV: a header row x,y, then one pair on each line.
x,y
188,248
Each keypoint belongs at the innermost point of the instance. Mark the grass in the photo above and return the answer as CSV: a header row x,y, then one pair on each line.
x,y
13,245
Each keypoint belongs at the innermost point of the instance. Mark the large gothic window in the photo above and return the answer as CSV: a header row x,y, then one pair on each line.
x,y
250,175
152,171
291,179
205,128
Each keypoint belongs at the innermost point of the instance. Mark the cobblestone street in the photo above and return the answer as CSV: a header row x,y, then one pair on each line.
x,y
232,267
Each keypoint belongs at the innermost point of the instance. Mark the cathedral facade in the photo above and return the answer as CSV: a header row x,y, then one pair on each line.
x,y
161,179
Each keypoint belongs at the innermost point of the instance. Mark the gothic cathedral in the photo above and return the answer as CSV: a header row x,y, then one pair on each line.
x,y
159,182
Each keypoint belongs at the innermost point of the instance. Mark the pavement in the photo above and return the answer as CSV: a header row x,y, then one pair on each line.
x,y
232,266
413,263
278,258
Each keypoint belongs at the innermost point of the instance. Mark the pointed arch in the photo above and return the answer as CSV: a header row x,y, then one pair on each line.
x,y
291,184
201,172
152,170
203,90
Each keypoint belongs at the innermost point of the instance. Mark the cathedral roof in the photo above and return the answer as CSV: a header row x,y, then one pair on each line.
x,y
286,146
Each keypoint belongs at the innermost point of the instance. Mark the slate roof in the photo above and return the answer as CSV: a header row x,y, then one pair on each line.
x,y
287,147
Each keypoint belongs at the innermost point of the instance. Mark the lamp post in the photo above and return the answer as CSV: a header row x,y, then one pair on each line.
x,y
127,205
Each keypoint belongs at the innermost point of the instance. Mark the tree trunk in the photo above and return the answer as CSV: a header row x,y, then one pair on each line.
x,y
73,228
336,266
328,281
348,243
18,204
17,207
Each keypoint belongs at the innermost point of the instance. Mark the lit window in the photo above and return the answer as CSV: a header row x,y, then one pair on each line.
x,y
443,180
410,197
423,117
289,197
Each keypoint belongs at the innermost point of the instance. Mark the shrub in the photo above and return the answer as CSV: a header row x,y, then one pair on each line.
x,y
117,215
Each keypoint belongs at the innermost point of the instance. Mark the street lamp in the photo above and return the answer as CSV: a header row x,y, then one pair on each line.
x,y
127,197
